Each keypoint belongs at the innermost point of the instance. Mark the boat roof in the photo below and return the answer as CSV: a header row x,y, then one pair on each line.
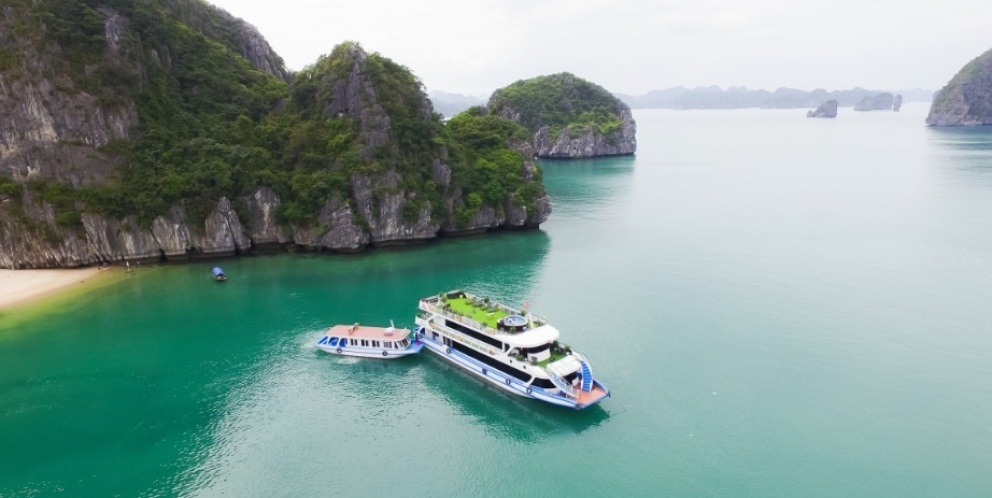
x,y
366,332
531,338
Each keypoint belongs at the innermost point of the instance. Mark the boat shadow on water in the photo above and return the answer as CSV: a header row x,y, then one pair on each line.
x,y
501,413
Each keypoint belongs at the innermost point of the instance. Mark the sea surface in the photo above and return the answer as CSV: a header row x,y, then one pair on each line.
x,y
781,306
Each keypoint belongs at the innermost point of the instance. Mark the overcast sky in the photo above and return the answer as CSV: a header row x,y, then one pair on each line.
x,y
629,46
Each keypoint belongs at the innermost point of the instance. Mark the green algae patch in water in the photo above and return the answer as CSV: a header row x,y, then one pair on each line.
x,y
59,301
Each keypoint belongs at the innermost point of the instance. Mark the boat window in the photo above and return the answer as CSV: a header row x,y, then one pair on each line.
x,y
333,341
544,383
475,335
375,344
492,362
387,344
537,350
365,342
354,342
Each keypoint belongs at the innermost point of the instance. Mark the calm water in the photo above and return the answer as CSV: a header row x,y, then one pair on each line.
x,y
782,307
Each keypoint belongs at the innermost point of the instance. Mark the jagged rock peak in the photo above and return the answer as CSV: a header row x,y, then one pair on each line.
x,y
569,116
967,98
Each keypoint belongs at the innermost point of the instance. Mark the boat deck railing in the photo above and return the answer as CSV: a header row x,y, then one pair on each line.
x,y
431,304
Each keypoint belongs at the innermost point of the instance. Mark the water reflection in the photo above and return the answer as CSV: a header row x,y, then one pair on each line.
x,y
965,151
577,187
502,414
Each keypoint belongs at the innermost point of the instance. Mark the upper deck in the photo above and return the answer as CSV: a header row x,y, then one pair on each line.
x,y
364,332
485,315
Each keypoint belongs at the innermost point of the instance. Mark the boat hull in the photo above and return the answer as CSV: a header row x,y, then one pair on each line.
x,y
505,382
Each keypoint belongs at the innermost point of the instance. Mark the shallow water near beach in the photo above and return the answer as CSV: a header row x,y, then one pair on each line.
x,y
781,306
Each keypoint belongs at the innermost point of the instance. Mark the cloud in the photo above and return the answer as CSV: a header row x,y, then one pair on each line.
x,y
634,46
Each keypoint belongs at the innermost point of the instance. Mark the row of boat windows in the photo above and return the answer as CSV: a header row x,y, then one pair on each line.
x,y
366,343
479,336
502,367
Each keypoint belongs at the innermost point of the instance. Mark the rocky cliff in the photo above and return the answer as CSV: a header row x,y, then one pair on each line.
x,y
827,109
569,117
967,98
171,134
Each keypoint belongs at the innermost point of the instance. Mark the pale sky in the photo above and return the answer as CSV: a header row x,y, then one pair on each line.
x,y
628,46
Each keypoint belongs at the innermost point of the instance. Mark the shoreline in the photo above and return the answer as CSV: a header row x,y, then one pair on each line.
x,y
21,287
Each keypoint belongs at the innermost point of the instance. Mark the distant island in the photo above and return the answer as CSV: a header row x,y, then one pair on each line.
x,y
570,117
449,104
160,130
713,97
967,98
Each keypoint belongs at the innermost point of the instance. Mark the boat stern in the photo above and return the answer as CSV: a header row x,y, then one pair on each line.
x,y
598,393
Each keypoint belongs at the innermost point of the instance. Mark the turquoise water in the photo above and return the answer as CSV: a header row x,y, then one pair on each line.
x,y
782,307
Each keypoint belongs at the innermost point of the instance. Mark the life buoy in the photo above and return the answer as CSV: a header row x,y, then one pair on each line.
x,y
529,390
508,381
447,350
384,353
339,350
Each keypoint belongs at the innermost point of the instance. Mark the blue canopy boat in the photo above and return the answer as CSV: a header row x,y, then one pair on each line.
x,y
219,275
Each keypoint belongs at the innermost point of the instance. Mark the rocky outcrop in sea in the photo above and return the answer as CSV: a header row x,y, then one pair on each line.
x,y
967,98
827,109
571,118
880,102
589,142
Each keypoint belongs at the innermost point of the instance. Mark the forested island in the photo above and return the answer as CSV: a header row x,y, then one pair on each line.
x,y
967,98
148,130
569,116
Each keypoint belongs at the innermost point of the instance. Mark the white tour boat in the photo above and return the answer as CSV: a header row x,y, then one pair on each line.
x,y
369,342
510,349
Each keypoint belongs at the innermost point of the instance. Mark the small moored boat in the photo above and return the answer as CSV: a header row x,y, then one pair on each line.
x,y
219,275
369,342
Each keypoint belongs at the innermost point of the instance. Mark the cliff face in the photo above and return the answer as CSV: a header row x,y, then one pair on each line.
x,y
589,141
570,117
967,98
56,124
367,157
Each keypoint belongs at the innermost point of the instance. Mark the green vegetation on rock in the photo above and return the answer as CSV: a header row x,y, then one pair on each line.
x,y
210,124
484,165
559,101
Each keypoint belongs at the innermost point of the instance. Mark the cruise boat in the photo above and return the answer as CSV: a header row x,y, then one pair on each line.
x,y
513,350
369,342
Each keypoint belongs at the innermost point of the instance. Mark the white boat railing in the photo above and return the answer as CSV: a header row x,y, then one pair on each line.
x,y
560,383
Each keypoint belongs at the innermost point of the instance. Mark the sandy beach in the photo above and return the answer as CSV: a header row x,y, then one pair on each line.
x,y
21,286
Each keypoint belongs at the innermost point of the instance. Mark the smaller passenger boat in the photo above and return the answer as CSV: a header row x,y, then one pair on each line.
x,y
369,342
219,275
